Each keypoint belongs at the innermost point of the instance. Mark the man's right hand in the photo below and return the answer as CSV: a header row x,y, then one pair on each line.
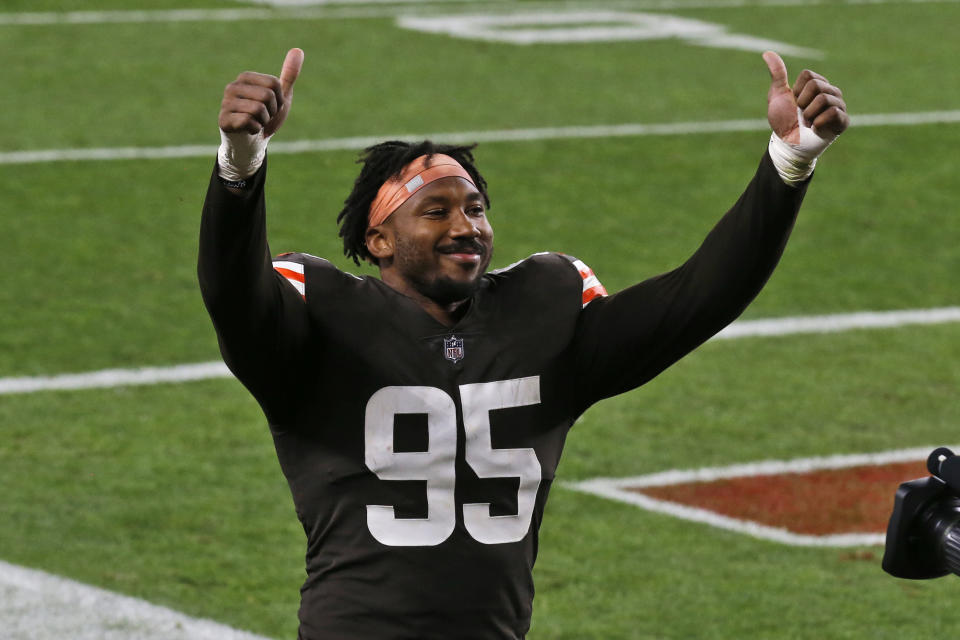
x,y
253,108
256,102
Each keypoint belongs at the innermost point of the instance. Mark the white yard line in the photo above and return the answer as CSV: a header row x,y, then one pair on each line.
x,y
330,9
838,322
337,9
324,3
761,468
487,136
752,529
109,378
35,605
619,489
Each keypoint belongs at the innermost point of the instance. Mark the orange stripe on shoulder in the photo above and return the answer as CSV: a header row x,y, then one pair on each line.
x,y
290,275
294,274
592,287
593,293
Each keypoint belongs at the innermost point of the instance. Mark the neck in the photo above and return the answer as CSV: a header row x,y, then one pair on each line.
x,y
447,314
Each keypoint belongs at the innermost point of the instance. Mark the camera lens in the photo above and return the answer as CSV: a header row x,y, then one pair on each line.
x,y
939,528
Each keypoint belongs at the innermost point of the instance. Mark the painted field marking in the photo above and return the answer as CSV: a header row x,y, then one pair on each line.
x,y
330,9
315,3
594,26
109,378
339,9
620,489
35,605
838,322
487,136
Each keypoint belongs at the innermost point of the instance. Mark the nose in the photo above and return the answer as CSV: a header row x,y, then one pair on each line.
x,y
464,226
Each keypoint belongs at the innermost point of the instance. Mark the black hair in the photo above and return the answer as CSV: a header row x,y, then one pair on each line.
x,y
380,163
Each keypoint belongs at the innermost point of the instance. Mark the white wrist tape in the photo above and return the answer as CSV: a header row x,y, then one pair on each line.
x,y
795,162
240,154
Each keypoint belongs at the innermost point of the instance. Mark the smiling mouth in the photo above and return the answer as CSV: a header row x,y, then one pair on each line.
x,y
463,257
463,251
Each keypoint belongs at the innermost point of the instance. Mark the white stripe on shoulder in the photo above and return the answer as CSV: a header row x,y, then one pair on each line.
x,y
286,264
299,286
591,282
592,287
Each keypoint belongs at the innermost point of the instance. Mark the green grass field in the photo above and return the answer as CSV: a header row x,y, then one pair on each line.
x,y
172,492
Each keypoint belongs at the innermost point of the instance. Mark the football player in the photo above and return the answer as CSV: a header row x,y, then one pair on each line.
x,y
419,416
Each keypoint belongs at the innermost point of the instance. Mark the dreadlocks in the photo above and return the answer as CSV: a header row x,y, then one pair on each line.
x,y
380,163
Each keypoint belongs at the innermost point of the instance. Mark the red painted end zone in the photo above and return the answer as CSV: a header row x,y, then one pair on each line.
x,y
834,501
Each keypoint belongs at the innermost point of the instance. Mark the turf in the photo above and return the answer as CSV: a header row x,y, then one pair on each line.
x,y
172,493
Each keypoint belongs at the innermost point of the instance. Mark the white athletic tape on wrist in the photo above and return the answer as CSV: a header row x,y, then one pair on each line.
x,y
240,154
796,162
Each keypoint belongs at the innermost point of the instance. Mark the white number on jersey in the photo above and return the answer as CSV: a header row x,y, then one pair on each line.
x,y
437,465
478,401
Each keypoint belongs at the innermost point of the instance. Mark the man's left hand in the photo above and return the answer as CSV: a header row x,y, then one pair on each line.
x,y
812,107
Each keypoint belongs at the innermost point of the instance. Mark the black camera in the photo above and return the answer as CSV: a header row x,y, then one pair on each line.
x,y
923,537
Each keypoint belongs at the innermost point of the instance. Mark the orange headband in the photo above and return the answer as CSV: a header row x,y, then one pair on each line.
x,y
416,175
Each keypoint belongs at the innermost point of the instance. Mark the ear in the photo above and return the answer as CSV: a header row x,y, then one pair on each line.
x,y
380,242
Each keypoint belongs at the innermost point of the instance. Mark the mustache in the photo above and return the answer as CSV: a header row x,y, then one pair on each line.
x,y
463,246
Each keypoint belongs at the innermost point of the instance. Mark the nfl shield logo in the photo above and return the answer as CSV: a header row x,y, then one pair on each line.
x,y
453,349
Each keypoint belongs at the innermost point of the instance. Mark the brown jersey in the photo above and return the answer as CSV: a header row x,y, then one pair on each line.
x,y
420,456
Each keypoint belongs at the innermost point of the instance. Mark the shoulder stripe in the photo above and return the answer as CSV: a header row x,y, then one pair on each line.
x,y
592,287
293,272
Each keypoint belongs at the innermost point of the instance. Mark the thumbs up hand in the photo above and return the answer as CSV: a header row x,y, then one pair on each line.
x,y
256,102
812,106
805,118
254,107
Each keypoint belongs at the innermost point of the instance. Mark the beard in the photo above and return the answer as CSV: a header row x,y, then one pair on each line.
x,y
440,288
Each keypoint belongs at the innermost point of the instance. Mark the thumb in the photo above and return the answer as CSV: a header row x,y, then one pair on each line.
x,y
778,72
781,105
288,75
290,70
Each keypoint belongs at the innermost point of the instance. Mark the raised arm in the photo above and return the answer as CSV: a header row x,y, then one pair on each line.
x,y
260,318
628,338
